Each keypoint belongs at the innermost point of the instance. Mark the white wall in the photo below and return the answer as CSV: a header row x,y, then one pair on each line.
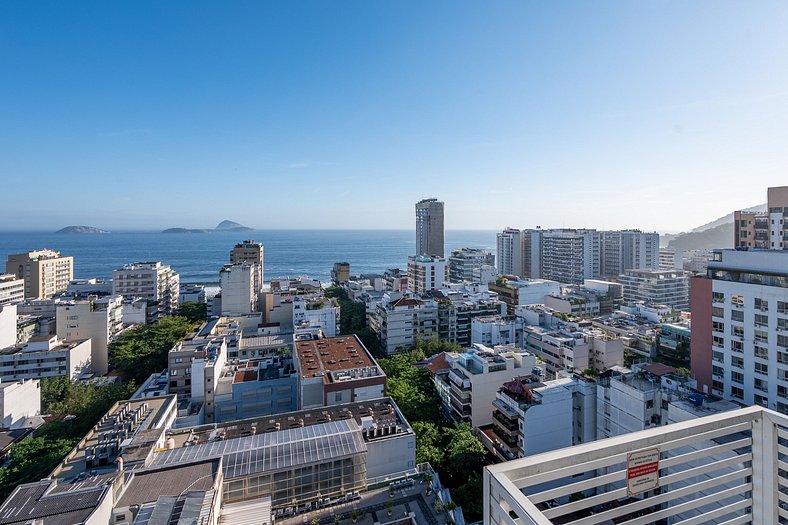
x,y
19,400
7,325
391,455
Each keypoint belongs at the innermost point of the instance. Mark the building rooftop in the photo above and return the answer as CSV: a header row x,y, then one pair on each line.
x,y
131,428
245,455
73,503
335,359
146,486
381,413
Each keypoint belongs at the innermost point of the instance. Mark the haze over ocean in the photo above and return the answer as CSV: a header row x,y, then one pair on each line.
x,y
198,257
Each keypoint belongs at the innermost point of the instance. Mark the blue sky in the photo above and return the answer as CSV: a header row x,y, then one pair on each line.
x,y
659,115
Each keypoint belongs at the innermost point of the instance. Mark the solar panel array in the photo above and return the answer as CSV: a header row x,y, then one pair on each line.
x,y
274,450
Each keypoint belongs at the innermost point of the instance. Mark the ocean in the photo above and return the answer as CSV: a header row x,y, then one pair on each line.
x,y
197,257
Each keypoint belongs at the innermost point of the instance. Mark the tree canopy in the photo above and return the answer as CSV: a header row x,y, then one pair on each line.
x,y
141,351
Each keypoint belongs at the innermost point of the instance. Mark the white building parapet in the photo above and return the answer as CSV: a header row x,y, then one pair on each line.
x,y
729,468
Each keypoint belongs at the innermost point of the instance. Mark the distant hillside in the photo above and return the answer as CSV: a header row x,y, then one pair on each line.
x,y
81,229
726,219
233,226
224,226
186,230
718,237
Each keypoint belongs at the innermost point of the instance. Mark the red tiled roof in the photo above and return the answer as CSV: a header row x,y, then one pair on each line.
x,y
658,369
436,363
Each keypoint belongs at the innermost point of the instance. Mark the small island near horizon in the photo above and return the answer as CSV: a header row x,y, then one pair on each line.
x,y
81,230
224,226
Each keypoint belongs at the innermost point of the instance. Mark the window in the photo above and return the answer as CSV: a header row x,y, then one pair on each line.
x,y
718,341
737,300
718,311
738,362
717,326
737,331
737,315
761,304
762,368
718,357
717,371
717,297
761,336
782,340
782,307
737,392
173,372
737,346
761,320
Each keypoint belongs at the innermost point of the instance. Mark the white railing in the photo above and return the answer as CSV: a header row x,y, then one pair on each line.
x,y
730,468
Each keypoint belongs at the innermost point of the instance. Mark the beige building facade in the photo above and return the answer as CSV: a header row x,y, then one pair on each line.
x,y
45,272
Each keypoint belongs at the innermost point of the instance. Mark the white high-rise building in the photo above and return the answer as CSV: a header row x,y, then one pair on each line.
x,y
250,252
739,344
97,319
426,273
465,263
12,289
152,281
666,287
429,228
570,256
628,249
239,295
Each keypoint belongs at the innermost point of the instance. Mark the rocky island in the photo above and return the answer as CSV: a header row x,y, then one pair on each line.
x,y
224,226
81,229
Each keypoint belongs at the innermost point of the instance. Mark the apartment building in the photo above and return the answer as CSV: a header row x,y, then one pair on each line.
x,y
467,382
336,370
570,256
316,313
458,305
152,281
464,263
667,287
191,293
429,228
256,388
45,272
739,343
399,323
45,356
340,273
519,252
239,291
97,319
250,252
495,330
426,273
627,249
515,291
531,416
572,347
12,289
765,230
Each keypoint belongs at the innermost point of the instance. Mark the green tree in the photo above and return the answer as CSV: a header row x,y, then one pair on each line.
x,y
464,454
193,311
141,351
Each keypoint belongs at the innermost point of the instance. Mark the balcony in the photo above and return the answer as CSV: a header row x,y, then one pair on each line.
x,y
726,468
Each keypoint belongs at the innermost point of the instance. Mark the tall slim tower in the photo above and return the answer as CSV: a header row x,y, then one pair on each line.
x,y
429,228
250,252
